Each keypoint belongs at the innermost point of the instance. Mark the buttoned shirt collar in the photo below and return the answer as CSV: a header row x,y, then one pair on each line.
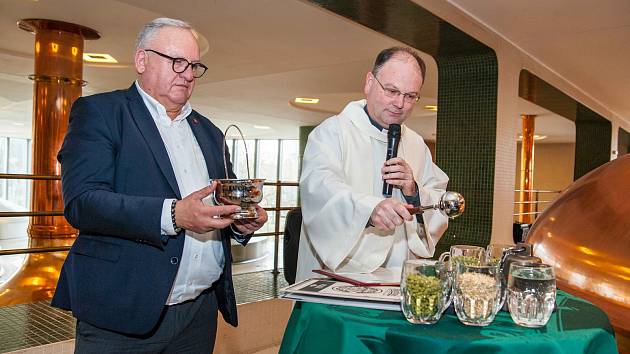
x,y
157,110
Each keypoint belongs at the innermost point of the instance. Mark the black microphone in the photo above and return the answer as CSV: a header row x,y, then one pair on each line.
x,y
393,139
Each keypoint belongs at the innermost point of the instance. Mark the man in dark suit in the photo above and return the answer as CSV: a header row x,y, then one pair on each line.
x,y
151,265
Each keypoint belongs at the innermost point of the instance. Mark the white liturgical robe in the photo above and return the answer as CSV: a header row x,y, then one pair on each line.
x,y
340,185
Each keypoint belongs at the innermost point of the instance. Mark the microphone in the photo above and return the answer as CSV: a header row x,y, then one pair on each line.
x,y
393,139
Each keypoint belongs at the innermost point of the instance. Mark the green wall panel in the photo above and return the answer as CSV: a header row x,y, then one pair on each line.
x,y
466,141
623,142
592,141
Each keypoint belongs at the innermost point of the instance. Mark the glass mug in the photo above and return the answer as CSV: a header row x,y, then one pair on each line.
x,y
477,293
426,291
494,252
531,294
463,254
494,256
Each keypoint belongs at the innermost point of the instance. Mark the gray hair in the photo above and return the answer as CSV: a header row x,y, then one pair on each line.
x,y
149,30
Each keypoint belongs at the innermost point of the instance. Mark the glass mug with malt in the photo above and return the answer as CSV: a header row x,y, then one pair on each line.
x,y
477,293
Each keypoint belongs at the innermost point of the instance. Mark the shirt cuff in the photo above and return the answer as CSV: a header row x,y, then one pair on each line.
x,y
166,222
238,236
414,199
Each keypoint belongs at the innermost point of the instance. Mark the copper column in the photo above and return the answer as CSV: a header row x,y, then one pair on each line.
x,y
58,79
527,170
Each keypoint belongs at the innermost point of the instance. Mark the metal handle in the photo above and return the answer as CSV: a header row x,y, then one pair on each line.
x,y
224,145
451,204
420,209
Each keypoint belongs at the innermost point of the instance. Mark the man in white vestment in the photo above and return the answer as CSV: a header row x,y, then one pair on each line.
x,y
348,225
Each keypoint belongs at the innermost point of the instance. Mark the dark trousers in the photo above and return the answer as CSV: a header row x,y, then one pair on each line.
x,y
189,327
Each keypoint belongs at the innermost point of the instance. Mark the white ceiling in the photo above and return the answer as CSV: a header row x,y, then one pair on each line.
x,y
587,42
263,53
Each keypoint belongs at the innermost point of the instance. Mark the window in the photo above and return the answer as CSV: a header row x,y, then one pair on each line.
x,y
267,160
289,168
271,159
15,157
239,161
4,146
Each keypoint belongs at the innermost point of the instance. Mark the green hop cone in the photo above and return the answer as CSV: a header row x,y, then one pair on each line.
x,y
424,292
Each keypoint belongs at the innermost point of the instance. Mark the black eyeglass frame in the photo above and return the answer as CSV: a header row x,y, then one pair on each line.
x,y
407,97
188,63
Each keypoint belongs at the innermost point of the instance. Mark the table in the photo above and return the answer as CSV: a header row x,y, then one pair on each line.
x,y
576,327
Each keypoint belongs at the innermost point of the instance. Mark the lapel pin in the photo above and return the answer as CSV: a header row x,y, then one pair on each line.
x,y
195,121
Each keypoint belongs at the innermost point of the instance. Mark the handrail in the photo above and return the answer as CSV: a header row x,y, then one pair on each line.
x,y
534,202
282,184
528,213
11,214
28,176
276,233
14,251
537,191
34,250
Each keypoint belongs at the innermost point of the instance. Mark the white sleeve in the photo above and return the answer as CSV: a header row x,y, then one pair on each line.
x,y
334,215
431,187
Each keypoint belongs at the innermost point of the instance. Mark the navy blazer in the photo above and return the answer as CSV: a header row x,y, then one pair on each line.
x,y
115,175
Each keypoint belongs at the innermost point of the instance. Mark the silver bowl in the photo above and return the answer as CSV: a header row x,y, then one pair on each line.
x,y
245,193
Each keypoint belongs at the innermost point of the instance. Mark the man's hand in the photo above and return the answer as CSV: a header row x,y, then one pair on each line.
x,y
397,172
192,214
247,227
388,214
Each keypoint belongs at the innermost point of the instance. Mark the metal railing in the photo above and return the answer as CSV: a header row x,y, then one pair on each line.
x,y
277,210
536,202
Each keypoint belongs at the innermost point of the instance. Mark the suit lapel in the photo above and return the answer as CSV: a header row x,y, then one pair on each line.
x,y
151,134
211,148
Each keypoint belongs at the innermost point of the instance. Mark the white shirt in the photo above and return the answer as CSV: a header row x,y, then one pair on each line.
x,y
202,260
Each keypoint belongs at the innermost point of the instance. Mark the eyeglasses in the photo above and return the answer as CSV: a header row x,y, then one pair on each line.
x,y
389,92
180,64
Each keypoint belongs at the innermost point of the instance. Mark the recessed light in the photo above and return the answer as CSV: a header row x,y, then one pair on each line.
x,y
262,127
431,107
99,58
306,100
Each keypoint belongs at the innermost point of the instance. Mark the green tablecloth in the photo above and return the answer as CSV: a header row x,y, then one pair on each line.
x,y
577,326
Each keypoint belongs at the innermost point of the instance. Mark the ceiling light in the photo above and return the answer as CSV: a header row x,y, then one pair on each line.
x,y
19,124
536,137
306,100
431,107
261,127
99,58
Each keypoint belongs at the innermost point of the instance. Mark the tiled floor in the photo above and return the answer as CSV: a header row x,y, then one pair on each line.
x,y
35,324
252,287
30,325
